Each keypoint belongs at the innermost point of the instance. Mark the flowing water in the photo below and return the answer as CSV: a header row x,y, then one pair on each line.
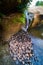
x,y
38,51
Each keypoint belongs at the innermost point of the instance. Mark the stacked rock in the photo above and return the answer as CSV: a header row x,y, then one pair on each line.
x,y
20,46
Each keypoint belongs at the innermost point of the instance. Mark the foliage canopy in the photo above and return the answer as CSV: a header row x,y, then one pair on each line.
x,y
39,3
7,6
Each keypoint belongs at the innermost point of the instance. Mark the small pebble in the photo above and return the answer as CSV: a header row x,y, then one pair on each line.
x,y
21,47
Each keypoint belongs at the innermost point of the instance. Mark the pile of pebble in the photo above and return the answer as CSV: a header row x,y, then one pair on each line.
x,y
20,46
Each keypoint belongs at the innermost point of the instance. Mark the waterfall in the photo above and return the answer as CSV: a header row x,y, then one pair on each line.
x,y
28,16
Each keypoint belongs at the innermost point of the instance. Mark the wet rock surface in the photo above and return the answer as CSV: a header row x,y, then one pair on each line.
x,y
20,47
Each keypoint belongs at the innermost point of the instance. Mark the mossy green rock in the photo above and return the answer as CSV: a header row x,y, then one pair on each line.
x,y
10,25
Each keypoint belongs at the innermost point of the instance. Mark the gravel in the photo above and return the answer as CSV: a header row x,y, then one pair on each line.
x,y
20,47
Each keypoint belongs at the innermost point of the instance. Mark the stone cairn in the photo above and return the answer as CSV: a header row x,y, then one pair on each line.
x,y
20,46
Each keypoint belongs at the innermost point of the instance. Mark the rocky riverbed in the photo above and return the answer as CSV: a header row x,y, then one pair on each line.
x,y
21,47
37,59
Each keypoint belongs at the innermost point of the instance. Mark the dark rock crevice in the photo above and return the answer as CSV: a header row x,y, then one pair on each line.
x,y
9,6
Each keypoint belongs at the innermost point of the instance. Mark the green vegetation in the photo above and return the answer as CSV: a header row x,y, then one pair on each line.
x,y
39,3
8,6
20,19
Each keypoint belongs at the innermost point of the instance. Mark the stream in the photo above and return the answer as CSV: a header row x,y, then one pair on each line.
x,y
38,50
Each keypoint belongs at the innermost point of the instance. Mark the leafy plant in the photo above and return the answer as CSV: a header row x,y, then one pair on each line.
x,y
39,3
8,6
